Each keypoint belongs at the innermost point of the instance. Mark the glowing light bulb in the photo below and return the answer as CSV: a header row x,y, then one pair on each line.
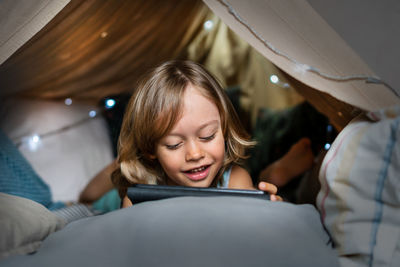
x,y
208,25
110,103
92,113
327,146
274,79
68,101
36,138
34,142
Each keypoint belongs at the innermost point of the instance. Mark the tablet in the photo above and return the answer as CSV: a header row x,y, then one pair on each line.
x,y
144,192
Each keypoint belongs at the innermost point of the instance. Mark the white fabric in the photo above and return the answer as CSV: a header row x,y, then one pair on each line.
x,y
371,28
359,199
65,160
295,29
24,224
22,19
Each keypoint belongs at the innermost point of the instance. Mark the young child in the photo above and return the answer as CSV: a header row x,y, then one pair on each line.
x,y
180,128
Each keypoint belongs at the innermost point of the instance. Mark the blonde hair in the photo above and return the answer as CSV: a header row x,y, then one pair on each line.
x,y
153,110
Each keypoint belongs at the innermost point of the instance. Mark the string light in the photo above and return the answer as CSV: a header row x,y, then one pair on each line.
x,y
35,138
208,25
327,146
274,79
33,142
68,101
110,103
330,137
300,67
92,113
103,34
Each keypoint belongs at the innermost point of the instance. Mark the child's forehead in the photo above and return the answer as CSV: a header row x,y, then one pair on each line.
x,y
195,110
193,91
196,97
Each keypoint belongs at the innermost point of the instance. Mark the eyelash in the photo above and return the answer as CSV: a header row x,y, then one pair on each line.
x,y
176,146
208,138
173,147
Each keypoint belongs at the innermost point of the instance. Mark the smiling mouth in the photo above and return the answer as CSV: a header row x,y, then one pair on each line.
x,y
197,174
202,168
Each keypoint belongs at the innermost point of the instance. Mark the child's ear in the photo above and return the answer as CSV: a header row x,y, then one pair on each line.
x,y
152,157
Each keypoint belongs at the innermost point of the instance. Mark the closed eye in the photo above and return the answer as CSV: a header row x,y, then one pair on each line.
x,y
208,138
173,147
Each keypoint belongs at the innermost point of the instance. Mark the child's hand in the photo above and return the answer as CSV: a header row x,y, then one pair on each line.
x,y
271,189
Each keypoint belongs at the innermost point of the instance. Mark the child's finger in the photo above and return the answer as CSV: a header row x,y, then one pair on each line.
x,y
267,187
276,198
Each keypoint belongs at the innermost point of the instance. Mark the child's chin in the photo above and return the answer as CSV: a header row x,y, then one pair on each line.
x,y
201,183
192,183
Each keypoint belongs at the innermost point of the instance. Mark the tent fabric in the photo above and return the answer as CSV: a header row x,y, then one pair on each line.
x,y
371,28
295,38
97,48
236,64
94,48
20,20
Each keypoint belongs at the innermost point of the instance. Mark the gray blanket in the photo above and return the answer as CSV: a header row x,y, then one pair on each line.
x,y
190,231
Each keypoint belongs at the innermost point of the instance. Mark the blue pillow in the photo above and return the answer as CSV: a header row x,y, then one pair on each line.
x,y
18,178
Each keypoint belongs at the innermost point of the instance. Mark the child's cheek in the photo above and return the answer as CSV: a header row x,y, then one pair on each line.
x,y
219,149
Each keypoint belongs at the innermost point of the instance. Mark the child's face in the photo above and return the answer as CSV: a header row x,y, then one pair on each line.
x,y
193,152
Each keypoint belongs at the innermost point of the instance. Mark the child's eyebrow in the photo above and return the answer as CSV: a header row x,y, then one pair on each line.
x,y
204,125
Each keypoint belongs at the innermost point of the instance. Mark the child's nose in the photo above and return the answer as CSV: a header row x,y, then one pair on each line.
x,y
194,151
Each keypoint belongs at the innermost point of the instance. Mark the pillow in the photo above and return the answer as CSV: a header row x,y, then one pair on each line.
x,y
24,224
191,231
359,199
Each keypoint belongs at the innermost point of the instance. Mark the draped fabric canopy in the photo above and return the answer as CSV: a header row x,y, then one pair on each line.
x,y
94,48
91,49
295,38
20,20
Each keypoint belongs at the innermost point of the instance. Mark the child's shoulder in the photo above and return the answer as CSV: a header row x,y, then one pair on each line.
x,y
240,178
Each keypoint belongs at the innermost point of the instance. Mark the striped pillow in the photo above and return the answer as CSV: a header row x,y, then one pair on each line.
x,y
359,199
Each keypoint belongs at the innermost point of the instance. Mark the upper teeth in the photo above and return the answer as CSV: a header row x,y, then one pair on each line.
x,y
198,169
